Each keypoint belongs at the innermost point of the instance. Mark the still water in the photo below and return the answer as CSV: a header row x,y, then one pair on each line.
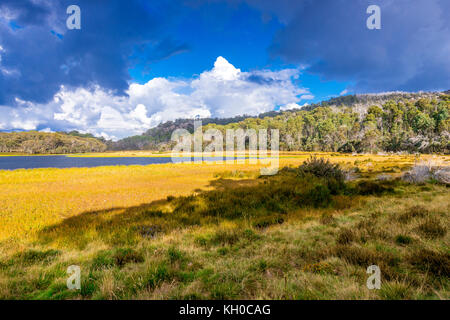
x,y
33,162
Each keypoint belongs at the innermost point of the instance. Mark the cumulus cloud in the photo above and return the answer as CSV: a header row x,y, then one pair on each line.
x,y
223,91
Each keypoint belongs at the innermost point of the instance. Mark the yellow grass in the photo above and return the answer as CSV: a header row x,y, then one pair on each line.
x,y
33,199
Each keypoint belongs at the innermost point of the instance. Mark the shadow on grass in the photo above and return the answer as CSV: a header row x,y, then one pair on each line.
x,y
258,202
128,225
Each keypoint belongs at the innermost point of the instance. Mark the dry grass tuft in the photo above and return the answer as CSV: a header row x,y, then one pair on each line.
x,y
417,211
432,228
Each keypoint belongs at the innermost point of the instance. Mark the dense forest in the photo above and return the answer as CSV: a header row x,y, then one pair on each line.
x,y
34,142
394,122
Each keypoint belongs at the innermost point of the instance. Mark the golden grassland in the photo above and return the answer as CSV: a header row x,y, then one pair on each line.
x,y
33,199
154,232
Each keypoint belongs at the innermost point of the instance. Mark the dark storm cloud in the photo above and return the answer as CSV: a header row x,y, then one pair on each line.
x,y
410,52
42,54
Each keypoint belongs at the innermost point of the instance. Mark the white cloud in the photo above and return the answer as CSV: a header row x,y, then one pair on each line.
x,y
223,91
307,97
292,106
343,92
25,125
223,70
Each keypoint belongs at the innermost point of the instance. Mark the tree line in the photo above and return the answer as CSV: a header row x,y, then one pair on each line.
x,y
34,142
364,124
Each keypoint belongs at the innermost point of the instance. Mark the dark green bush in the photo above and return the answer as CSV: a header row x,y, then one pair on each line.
x,y
319,197
402,240
322,168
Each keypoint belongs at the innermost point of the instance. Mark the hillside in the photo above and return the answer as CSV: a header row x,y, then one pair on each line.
x,y
156,138
391,122
34,142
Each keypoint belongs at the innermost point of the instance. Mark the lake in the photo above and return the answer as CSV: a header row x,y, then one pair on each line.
x,y
34,162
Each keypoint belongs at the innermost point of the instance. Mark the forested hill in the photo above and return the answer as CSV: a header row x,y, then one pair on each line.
x,y
34,142
391,122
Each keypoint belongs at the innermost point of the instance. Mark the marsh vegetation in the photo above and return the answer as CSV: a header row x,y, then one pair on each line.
x,y
191,231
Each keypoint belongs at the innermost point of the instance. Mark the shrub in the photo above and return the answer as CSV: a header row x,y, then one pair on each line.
x,y
435,262
322,168
123,256
402,240
319,196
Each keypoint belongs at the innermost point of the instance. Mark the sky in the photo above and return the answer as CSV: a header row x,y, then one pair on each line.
x,y
134,64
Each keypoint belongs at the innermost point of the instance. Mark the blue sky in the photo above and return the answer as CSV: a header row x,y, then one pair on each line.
x,y
136,63
240,34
